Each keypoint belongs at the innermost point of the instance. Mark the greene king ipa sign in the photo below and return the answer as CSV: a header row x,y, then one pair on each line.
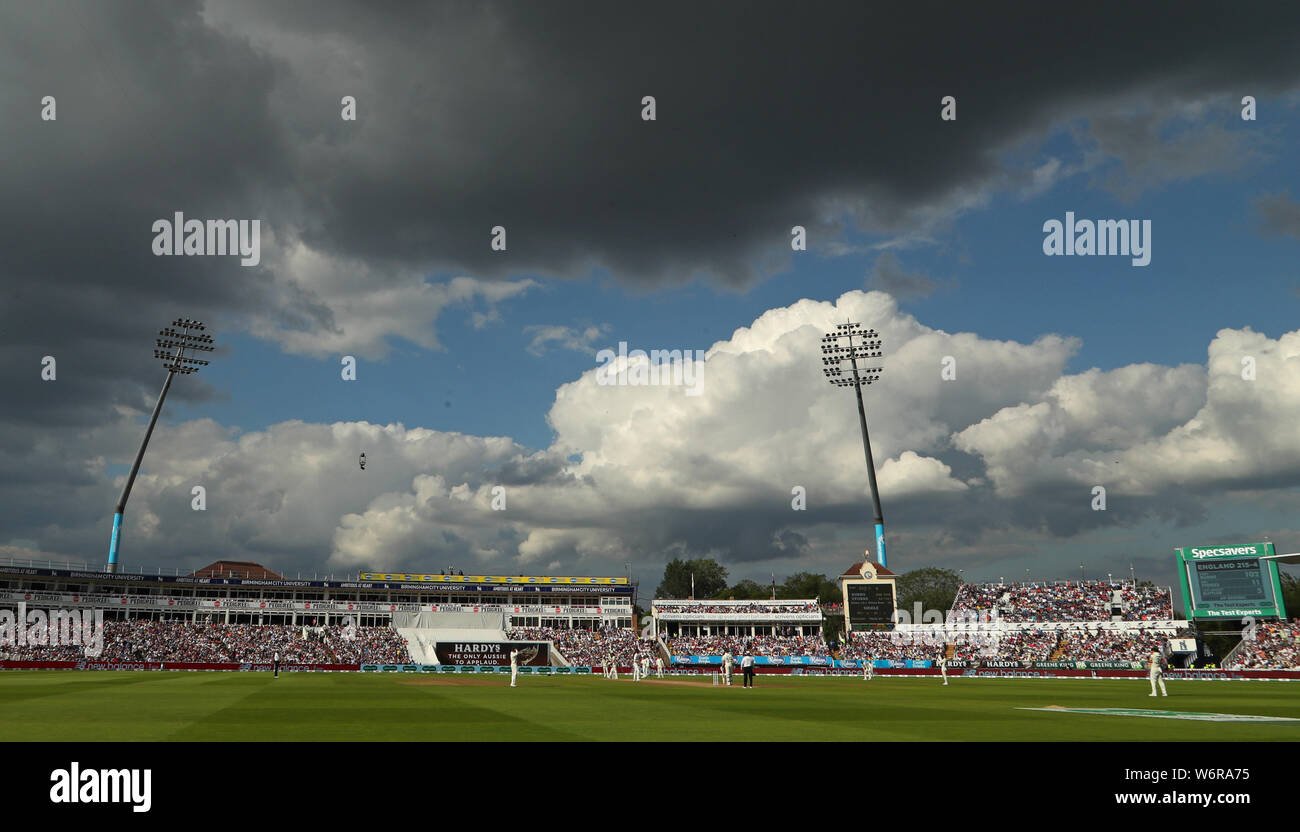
x,y
492,652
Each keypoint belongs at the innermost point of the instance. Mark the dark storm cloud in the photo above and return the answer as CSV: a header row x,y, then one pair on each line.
x,y
888,275
527,116
156,113
1168,142
520,115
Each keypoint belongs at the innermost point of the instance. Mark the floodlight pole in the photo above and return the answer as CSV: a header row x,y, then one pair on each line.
x,y
177,362
130,480
832,355
871,463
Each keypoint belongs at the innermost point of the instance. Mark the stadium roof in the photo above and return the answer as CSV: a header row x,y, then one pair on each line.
x,y
236,569
855,571
1294,557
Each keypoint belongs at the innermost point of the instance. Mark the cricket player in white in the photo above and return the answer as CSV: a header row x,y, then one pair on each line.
x,y
943,667
636,669
868,669
659,666
1157,673
645,667
514,667
612,664
726,666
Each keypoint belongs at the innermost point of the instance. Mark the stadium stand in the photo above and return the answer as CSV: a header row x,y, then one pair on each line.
x,y
1275,646
739,645
888,646
790,627
136,640
1009,644
580,647
424,630
784,619
1102,645
238,611
1067,601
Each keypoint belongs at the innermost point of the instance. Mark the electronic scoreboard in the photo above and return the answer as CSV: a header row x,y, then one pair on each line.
x,y
1230,581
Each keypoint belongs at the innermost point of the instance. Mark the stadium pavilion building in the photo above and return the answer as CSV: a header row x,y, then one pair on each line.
x,y
741,619
233,592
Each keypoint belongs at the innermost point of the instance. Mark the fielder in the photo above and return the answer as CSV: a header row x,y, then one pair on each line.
x,y
659,666
1156,673
611,667
726,666
943,667
868,669
514,667
636,669
645,667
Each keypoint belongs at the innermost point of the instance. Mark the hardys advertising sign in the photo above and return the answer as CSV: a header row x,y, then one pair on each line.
x,y
492,652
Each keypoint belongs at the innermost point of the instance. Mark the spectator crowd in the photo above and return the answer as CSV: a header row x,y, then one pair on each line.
x,y
754,645
1066,601
1272,646
590,647
1029,645
890,646
1110,645
146,640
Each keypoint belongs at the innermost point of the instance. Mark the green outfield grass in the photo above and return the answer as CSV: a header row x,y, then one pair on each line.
x,y
101,705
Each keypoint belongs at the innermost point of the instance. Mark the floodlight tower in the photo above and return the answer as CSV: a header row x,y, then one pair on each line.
x,y
184,334
833,354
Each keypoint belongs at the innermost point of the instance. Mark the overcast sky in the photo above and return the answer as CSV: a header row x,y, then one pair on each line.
x,y
1175,386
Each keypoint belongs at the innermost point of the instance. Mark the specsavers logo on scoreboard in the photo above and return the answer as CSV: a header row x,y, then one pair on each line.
x,y
1244,550
1232,580
403,577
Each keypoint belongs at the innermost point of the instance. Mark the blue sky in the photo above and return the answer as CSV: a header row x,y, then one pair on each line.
x,y
1212,267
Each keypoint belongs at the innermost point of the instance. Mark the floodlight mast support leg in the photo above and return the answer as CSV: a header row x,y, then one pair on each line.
x,y
135,469
871,465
